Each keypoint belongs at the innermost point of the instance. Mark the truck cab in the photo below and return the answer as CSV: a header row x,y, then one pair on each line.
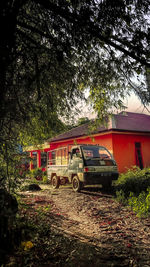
x,y
84,165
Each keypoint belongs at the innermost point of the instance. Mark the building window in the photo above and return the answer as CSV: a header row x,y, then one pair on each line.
x,y
43,159
138,155
34,159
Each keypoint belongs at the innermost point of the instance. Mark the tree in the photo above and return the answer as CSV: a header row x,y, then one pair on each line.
x,y
38,130
82,121
100,44
51,50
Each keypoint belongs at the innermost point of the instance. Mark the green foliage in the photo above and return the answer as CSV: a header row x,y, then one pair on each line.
x,y
82,120
121,197
133,189
45,179
38,174
134,180
141,203
41,127
12,170
89,45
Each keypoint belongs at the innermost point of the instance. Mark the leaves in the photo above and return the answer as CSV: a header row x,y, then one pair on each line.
x,y
27,245
50,61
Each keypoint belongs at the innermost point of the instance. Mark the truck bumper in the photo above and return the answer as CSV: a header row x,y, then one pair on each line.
x,y
99,178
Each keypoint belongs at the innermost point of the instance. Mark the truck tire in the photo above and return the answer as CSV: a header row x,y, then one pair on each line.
x,y
76,184
55,182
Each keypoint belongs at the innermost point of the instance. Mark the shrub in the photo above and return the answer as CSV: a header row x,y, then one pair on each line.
x,y
133,189
121,197
134,180
141,203
36,174
45,180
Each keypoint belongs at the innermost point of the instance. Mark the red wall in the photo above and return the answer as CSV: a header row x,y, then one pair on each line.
x,y
124,150
103,140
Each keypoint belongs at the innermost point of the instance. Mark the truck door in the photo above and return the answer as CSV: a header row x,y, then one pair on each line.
x,y
75,160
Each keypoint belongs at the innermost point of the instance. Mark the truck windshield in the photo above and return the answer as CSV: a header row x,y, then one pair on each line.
x,y
93,155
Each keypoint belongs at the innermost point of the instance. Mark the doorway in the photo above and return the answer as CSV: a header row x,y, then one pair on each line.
x,y
138,155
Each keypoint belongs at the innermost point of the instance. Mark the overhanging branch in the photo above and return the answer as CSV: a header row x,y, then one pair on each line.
x,y
91,29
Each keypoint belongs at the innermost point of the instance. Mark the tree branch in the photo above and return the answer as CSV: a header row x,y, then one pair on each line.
x,y
90,28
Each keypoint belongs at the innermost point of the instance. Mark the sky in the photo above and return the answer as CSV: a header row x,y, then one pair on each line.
x,y
132,103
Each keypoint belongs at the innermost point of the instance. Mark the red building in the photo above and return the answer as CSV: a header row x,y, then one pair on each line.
x,y
126,136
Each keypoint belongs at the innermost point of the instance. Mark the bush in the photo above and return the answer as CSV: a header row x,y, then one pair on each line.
x,y
140,204
45,180
134,180
12,171
121,197
36,174
133,189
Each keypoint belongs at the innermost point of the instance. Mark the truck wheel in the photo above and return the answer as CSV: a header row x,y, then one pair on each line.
x,y
76,184
55,182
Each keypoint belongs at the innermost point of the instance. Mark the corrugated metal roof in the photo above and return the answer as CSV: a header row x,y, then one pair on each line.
x,y
124,121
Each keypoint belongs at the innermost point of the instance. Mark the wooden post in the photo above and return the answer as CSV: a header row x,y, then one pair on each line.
x,y
31,161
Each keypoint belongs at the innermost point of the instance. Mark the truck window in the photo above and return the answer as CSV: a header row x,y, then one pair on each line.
x,y
75,153
103,153
96,156
96,152
53,160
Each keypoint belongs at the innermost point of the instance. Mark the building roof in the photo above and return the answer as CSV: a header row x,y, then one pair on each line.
x,y
124,121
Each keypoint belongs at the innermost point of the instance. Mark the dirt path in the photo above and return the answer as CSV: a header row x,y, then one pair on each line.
x,y
95,219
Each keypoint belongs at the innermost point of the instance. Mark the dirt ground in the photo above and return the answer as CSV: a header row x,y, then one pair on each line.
x,y
89,228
